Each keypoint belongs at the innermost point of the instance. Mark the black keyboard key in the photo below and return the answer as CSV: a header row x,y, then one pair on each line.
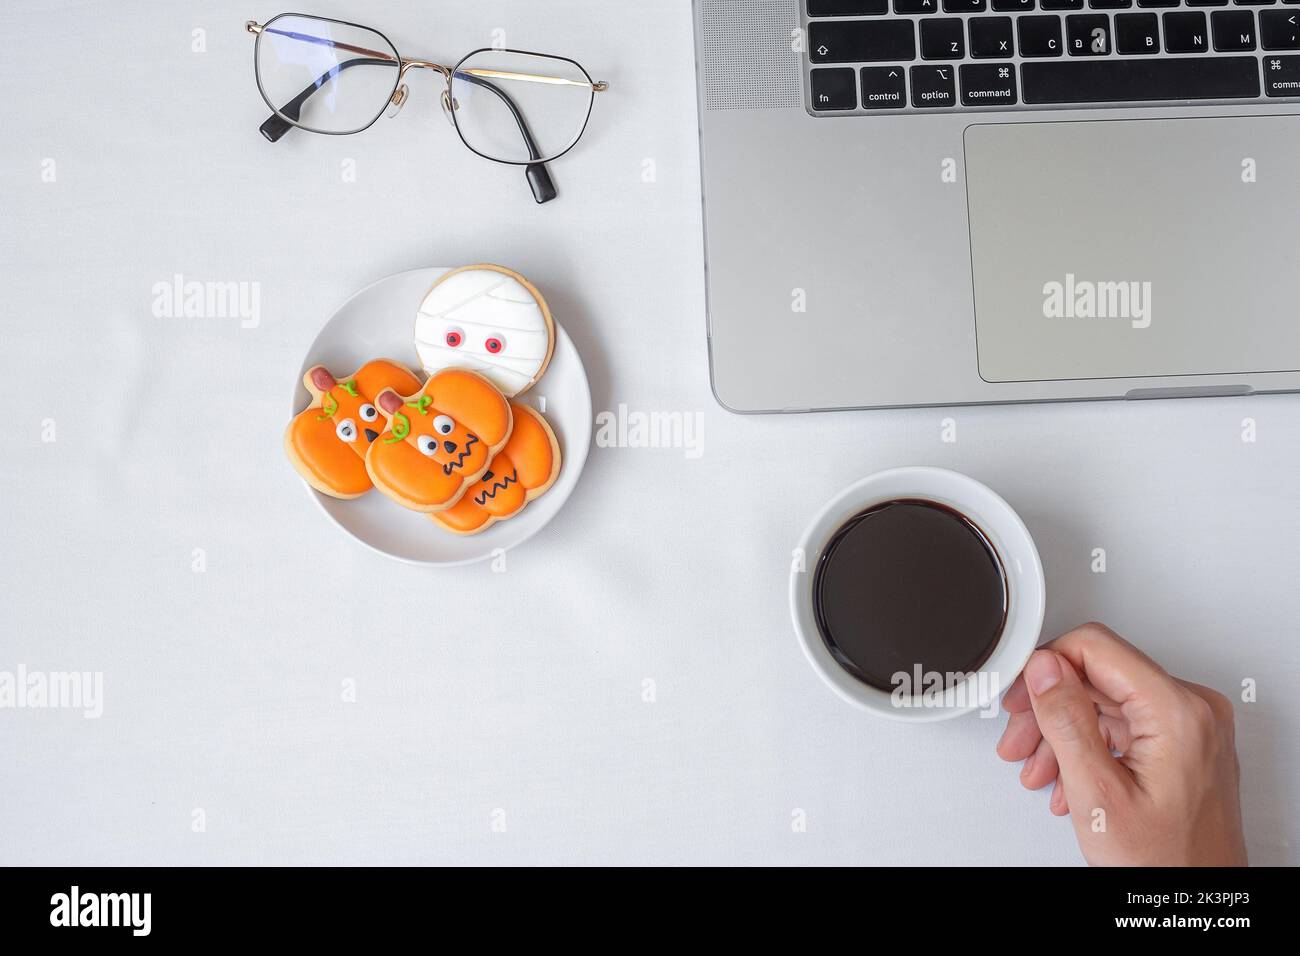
x,y
1157,3
1185,33
1282,75
934,86
834,90
1234,30
964,6
1134,81
988,84
916,6
942,39
847,8
1064,4
865,41
990,36
1110,4
1040,36
1012,6
1137,33
1255,3
1207,3
1280,29
883,88
1087,34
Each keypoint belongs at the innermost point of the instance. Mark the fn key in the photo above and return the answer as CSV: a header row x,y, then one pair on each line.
x,y
988,84
834,89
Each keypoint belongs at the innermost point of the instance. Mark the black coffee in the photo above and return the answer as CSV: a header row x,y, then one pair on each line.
x,y
909,583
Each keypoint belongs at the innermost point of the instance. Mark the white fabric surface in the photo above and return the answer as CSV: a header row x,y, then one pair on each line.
x,y
514,697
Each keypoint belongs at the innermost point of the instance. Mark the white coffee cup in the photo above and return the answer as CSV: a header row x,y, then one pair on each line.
x,y
1026,594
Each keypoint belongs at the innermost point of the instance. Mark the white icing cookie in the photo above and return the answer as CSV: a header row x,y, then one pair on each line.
x,y
487,319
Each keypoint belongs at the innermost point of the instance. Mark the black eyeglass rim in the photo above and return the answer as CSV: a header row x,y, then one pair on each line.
x,y
591,100
257,74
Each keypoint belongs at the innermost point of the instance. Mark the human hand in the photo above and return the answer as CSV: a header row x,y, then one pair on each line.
x,y
1171,797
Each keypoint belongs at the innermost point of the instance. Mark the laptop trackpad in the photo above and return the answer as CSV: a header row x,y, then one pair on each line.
x,y
1118,248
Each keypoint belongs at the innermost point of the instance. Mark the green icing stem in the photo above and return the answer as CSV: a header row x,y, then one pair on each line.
x,y
401,427
350,386
330,407
422,406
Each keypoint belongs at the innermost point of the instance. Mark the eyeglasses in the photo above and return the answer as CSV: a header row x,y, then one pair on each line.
x,y
509,106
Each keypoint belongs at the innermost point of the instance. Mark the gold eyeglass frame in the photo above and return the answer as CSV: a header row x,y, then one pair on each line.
x,y
398,96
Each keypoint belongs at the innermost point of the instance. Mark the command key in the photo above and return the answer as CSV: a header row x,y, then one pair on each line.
x,y
1282,75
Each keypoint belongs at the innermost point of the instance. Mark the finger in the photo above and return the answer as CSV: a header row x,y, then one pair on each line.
x,y
1067,718
1104,703
1020,737
1040,769
1058,804
1116,668
1115,731
1022,733
1220,705
1016,699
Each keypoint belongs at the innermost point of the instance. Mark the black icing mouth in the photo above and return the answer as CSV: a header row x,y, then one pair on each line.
x,y
371,434
488,493
470,442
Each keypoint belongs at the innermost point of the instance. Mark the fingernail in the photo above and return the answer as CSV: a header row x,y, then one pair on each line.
x,y
1029,765
1043,672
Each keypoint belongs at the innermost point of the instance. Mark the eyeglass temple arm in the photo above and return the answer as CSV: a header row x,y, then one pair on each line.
x,y
276,125
539,177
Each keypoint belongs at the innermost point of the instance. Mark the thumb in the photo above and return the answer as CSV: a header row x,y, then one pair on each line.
x,y
1067,718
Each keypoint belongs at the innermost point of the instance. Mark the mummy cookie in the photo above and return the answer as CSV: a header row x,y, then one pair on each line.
x,y
438,440
327,442
523,470
489,320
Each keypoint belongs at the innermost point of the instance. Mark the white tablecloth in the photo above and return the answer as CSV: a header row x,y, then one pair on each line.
x,y
629,689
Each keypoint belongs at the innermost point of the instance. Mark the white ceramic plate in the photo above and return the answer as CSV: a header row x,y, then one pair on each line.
x,y
379,322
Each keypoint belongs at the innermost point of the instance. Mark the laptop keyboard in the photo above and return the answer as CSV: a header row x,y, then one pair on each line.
x,y
872,56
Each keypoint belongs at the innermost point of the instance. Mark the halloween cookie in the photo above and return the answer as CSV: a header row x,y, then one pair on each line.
x,y
327,442
438,440
489,320
523,470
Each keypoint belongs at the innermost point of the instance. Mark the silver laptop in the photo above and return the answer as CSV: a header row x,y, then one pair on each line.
x,y
921,202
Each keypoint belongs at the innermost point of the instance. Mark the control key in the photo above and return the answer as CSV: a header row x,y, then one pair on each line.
x,y
882,88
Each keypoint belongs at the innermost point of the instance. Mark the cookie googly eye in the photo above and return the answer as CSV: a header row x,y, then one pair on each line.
x,y
454,338
443,425
495,345
369,413
427,444
346,430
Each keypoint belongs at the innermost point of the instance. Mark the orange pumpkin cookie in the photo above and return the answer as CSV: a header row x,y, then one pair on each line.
x,y
523,470
327,442
439,439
